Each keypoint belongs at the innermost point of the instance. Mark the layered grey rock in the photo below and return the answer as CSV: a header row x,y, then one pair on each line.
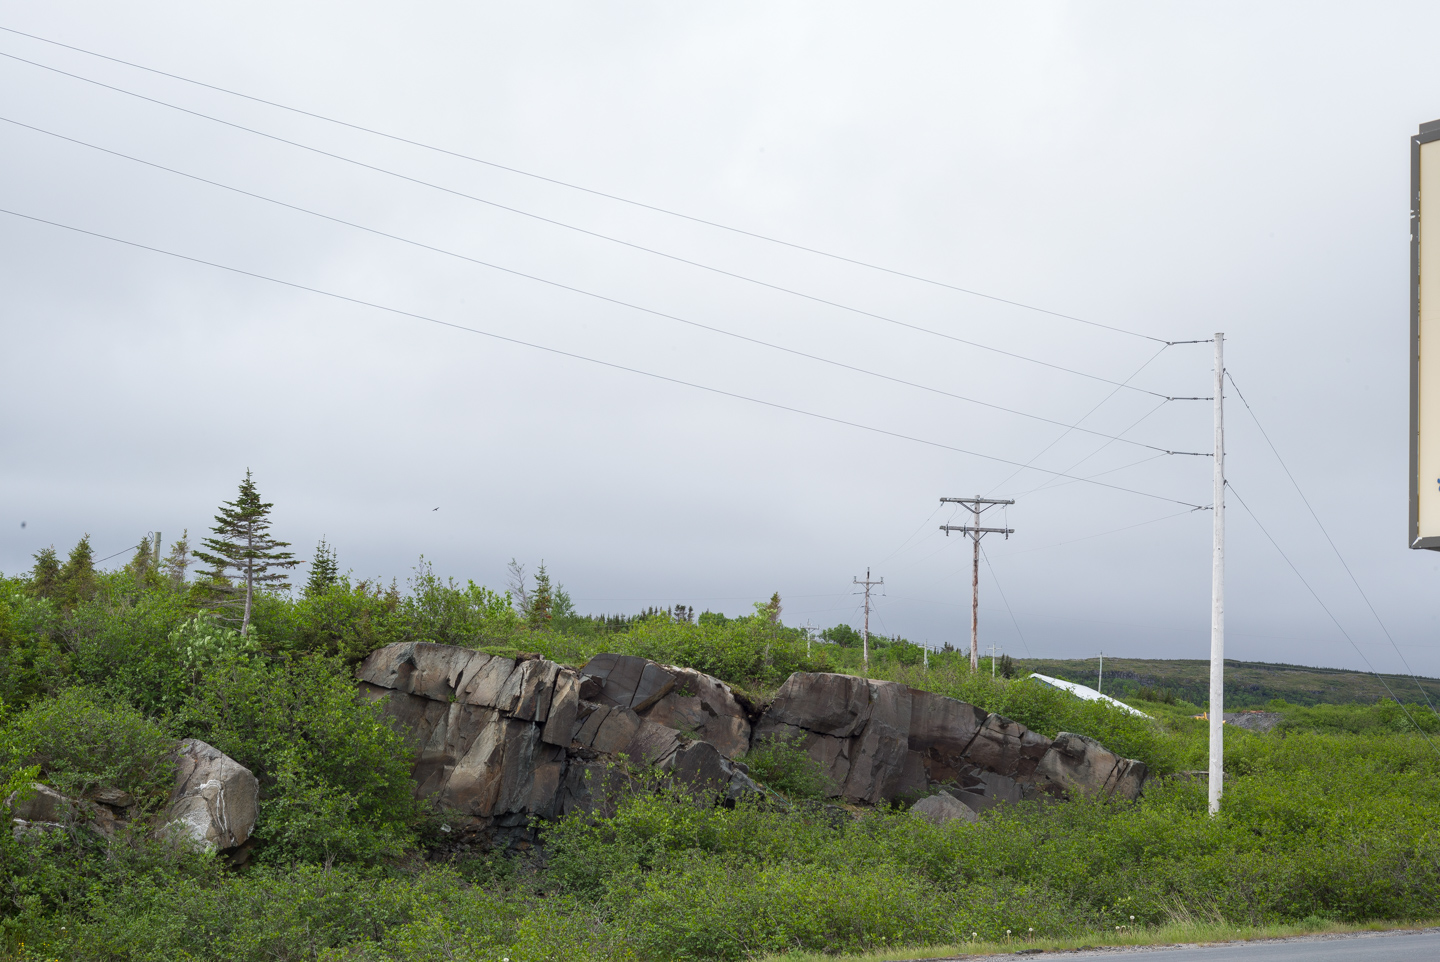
x,y
215,799
678,698
1076,763
881,741
502,740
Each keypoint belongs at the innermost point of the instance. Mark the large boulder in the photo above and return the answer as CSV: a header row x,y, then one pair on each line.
x,y
41,803
215,799
1076,763
942,807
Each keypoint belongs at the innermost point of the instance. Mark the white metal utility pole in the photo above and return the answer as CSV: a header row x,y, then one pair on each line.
x,y
1217,593
1100,685
975,506
865,633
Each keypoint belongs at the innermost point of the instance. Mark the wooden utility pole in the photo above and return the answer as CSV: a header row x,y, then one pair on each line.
x,y
975,506
865,632
1217,593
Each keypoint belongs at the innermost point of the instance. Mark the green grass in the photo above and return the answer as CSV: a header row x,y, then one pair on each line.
x,y
1248,684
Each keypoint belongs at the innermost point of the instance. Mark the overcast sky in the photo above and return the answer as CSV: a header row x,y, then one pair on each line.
x,y
1167,170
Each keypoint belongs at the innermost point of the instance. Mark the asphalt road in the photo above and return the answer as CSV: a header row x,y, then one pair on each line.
x,y
1366,947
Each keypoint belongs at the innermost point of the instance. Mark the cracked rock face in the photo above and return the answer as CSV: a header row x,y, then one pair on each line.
x,y
215,799
677,698
881,741
503,740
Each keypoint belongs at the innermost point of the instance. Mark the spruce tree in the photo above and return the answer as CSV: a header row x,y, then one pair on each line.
x,y
45,576
77,578
542,600
179,560
243,543
144,561
324,571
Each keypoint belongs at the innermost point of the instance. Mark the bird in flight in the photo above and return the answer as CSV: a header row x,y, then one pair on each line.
x,y
434,509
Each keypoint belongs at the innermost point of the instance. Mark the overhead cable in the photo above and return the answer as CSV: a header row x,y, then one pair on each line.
x,y
1064,434
1331,541
996,578
577,290
549,350
472,197
592,191
1424,734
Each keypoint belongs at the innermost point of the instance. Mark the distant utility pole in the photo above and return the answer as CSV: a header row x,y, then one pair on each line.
x,y
1100,685
994,651
975,506
1217,592
865,632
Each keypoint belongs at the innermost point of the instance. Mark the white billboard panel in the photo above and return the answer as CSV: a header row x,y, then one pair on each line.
x,y
1425,339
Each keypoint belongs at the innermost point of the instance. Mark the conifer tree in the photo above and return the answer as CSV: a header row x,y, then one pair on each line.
x,y
77,577
144,561
243,543
324,571
45,576
542,599
179,560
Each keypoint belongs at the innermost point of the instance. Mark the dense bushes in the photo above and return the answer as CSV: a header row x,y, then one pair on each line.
x,y
83,740
1330,817
335,777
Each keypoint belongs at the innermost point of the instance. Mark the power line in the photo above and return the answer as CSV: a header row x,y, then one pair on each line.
x,y
1353,580
1102,534
1103,401
1046,483
1001,590
1328,612
588,190
578,290
458,193
553,350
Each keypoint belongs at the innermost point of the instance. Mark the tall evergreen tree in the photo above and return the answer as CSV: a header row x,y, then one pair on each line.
x,y
77,577
143,564
178,560
324,571
243,543
542,600
45,576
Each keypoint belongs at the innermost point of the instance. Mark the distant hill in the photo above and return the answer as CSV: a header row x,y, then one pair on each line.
x,y
1248,684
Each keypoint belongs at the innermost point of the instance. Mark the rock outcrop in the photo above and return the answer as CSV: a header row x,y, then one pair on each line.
x,y
882,741
215,799
678,698
502,740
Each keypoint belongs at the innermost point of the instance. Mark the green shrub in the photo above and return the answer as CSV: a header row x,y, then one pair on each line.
x,y
334,775
781,764
84,739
